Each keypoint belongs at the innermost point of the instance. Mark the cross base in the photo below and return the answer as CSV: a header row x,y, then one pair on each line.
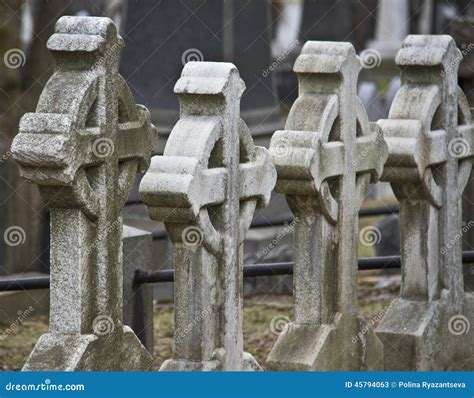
x,y
175,365
416,336
84,352
328,347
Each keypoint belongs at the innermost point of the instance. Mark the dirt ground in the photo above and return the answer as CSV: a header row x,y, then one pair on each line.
x,y
264,316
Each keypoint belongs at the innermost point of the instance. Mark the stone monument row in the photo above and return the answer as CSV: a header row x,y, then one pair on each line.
x,y
87,140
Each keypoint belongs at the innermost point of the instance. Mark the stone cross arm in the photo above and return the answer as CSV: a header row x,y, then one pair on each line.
x,y
311,151
76,125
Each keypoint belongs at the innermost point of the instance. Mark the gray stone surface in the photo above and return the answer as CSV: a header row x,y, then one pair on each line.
x,y
206,187
83,147
325,160
429,327
138,299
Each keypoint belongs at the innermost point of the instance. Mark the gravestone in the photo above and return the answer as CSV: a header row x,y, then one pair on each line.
x,y
320,16
391,28
138,299
430,137
83,148
205,188
325,160
161,37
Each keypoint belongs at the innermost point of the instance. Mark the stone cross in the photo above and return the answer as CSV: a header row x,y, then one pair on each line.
x,y
205,188
430,139
325,160
83,147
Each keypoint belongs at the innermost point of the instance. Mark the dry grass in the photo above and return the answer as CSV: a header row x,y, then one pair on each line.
x,y
258,335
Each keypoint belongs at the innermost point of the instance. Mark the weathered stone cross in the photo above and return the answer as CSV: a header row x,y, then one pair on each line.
x,y
205,188
83,147
325,159
430,158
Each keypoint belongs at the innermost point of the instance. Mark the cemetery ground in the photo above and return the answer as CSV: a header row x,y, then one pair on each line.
x,y
264,316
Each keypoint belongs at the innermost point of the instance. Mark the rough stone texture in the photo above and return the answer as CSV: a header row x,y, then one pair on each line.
x,y
138,299
83,147
205,188
430,327
325,159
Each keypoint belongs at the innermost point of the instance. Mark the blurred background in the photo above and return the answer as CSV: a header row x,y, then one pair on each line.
x,y
262,38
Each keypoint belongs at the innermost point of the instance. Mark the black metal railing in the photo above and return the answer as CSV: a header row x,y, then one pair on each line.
x,y
253,270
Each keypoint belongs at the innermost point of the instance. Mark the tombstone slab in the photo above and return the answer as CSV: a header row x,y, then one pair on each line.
x,y
162,37
83,147
138,299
